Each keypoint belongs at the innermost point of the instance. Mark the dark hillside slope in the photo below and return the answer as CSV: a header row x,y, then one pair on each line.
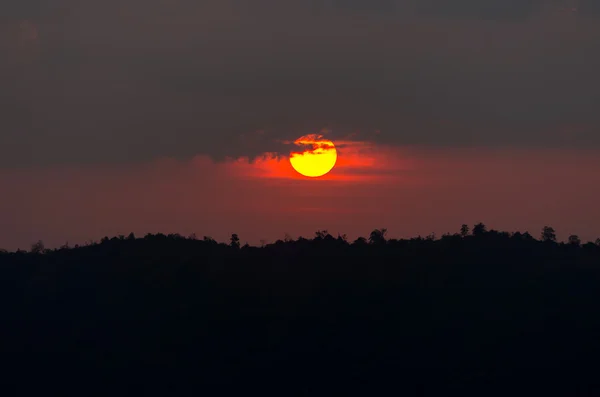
x,y
164,315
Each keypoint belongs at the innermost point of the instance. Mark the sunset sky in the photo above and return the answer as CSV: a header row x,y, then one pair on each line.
x,y
178,116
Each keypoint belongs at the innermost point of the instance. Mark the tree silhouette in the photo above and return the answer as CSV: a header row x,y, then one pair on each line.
x,y
464,230
321,234
574,240
234,241
360,241
548,234
479,229
528,237
377,236
598,242
37,247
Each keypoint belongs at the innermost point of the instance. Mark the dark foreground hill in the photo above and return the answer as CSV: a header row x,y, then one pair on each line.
x,y
490,314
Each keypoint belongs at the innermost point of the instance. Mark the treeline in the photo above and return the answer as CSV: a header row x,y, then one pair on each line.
x,y
377,238
479,312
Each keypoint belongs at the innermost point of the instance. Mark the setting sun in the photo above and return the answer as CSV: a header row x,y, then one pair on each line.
x,y
317,158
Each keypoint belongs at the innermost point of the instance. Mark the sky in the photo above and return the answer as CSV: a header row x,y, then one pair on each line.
x,y
177,116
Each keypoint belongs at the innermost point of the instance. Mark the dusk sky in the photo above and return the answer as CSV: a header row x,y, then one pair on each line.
x,y
178,116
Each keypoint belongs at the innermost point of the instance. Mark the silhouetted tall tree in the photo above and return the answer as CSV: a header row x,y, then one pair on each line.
x,y
479,229
464,230
234,241
548,234
377,236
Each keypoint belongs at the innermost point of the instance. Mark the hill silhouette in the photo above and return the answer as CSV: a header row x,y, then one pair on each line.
x,y
472,313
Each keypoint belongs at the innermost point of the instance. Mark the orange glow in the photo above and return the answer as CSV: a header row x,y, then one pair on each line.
x,y
357,162
317,159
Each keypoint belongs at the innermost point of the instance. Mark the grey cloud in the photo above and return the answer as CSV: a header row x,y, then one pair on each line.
x,y
131,80
487,9
591,7
362,5
11,9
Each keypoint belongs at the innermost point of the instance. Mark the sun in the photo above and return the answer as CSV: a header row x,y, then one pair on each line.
x,y
317,158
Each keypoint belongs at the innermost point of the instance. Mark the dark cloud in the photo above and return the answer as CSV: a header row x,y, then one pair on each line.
x,y
487,9
362,5
588,7
126,81
11,9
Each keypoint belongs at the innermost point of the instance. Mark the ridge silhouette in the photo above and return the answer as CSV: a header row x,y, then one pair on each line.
x,y
472,313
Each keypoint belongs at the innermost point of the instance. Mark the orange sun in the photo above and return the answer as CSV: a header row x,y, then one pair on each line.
x,y
317,158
